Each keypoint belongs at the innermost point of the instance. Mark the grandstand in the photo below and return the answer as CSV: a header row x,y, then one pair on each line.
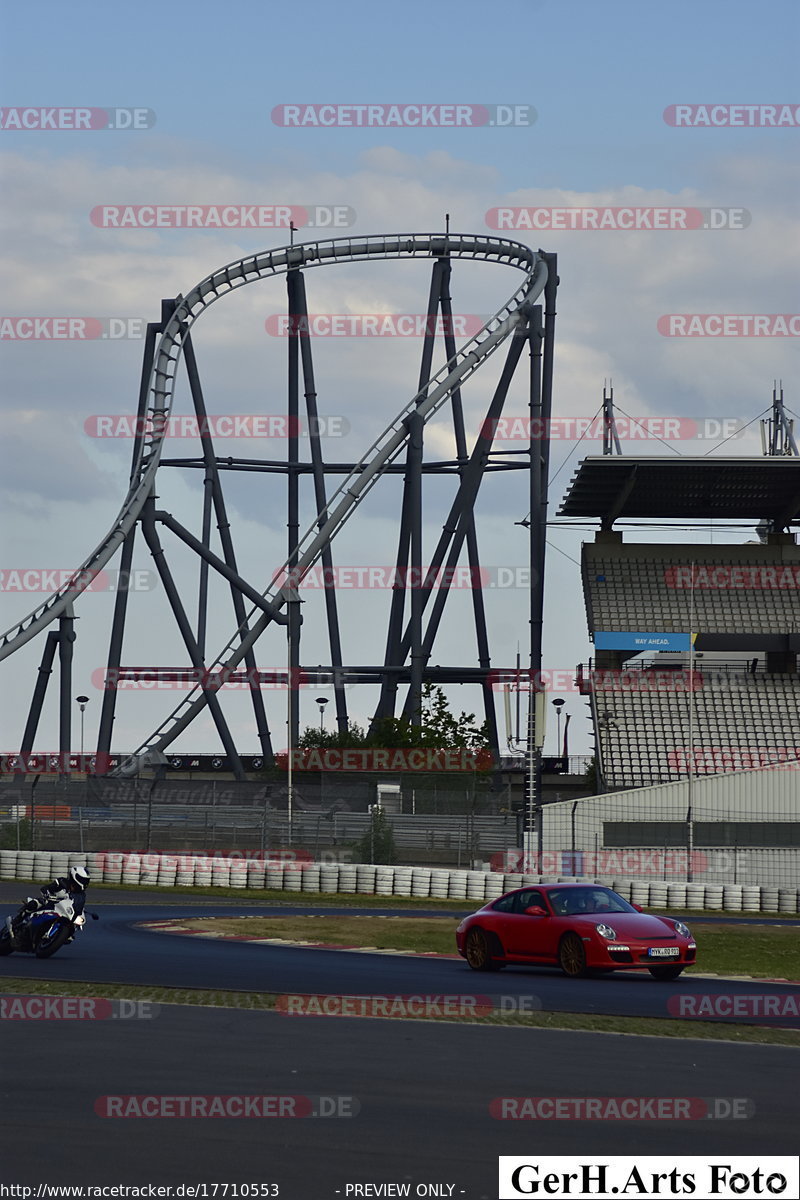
x,y
733,702
733,589
740,721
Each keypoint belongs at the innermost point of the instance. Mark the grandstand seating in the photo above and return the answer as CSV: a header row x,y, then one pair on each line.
x,y
739,720
646,588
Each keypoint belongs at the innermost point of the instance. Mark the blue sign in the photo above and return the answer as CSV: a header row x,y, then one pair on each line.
x,y
643,641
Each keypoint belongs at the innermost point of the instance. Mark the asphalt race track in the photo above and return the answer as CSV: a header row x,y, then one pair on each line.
x,y
424,1092
115,950
419,1091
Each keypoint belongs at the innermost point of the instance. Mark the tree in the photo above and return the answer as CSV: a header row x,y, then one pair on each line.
x,y
313,737
377,844
438,728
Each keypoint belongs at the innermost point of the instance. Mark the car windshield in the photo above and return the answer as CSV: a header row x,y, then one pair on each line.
x,y
577,901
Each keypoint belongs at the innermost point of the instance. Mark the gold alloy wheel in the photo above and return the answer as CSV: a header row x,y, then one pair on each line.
x,y
477,950
572,956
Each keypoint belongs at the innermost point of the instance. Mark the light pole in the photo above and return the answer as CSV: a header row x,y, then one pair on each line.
x,y
558,705
82,701
321,701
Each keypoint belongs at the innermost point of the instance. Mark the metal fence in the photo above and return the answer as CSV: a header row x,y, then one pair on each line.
x,y
738,829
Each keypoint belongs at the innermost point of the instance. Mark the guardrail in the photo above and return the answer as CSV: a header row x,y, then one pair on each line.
x,y
284,872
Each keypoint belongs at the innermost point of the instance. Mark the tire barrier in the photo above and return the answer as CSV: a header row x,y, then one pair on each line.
x,y
286,874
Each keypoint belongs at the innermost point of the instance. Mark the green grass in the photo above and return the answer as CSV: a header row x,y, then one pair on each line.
x,y
434,935
266,1002
764,951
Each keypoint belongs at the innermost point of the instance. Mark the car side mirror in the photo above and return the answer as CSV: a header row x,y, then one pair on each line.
x,y
535,911
638,907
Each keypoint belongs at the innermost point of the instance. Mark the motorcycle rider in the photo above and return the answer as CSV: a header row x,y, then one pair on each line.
x,y
74,884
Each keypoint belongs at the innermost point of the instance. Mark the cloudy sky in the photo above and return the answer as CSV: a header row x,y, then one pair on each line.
x,y
686,114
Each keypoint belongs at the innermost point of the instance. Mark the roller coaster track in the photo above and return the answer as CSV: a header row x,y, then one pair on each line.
x,y
352,490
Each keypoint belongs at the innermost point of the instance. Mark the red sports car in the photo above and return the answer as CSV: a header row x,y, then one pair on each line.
x,y
576,926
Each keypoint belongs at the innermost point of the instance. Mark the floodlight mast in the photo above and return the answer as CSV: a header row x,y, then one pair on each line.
x,y
542,344
777,432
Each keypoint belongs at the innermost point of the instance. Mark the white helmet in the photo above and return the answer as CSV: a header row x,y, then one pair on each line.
x,y
79,877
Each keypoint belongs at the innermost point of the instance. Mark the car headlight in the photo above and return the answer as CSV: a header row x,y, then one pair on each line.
x,y
682,929
607,932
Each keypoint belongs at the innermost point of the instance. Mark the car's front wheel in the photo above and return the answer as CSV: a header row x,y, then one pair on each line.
x,y
477,952
572,956
665,973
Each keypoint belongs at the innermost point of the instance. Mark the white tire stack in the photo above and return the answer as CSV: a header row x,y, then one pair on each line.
x,y
148,875
293,877
59,865
384,881
8,864
494,886
273,878
732,897
238,873
43,866
112,867
24,864
221,873
167,870
402,881
329,878
256,873
458,885
131,870
476,887
310,877
203,872
349,876
421,881
440,884
365,874
184,872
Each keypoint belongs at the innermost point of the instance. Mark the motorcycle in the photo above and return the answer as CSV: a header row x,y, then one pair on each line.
x,y
45,931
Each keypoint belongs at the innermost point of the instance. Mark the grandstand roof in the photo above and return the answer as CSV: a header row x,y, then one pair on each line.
x,y
615,486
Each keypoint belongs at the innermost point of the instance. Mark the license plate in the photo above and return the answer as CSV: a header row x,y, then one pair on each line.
x,y
664,952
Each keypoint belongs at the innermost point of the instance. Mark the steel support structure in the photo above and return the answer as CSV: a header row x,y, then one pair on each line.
x,y
417,606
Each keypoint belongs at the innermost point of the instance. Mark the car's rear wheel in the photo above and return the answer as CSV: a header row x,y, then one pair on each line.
x,y
665,973
572,956
478,952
